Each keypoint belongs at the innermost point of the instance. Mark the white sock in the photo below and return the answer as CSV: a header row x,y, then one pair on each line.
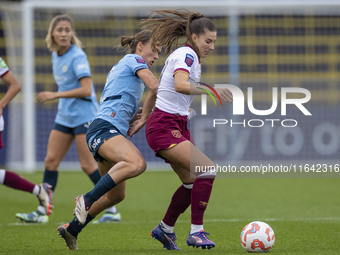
x,y
196,228
166,228
188,186
2,175
36,190
112,209
41,209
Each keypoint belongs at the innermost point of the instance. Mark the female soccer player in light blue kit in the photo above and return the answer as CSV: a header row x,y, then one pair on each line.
x,y
118,159
77,107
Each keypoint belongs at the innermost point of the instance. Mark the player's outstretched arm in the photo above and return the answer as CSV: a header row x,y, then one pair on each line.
x,y
152,83
83,91
149,103
13,89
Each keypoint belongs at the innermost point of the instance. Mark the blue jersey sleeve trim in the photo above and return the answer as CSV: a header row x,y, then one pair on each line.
x,y
113,98
139,68
83,75
86,99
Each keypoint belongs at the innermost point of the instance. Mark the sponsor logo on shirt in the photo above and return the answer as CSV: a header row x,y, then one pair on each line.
x,y
140,60
81,66
95,143
60,79
189,59
87,125
112,114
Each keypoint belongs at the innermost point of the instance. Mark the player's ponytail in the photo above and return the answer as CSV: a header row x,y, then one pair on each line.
x,y
132,41
126,41
168,26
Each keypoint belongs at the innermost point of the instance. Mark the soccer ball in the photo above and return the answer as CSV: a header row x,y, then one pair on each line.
x,y
257,236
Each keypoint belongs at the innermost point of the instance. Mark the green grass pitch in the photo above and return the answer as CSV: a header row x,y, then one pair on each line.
x,y
304,213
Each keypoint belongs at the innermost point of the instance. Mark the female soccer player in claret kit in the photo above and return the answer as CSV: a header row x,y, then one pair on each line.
x,y
118,159
76,109
9,178
166,129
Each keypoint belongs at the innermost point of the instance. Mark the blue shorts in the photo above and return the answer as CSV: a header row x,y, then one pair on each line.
x,y
99,131
81,129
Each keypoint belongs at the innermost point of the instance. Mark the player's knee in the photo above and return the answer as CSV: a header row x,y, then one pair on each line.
x,y
88,168
188,179
120,197
51,163
138,167
210,173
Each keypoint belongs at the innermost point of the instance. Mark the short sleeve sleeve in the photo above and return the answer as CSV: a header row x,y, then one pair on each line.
x,y
81,66
3,68
136,63
183,62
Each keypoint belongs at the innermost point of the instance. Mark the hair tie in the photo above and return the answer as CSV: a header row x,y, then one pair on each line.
x,y
197,17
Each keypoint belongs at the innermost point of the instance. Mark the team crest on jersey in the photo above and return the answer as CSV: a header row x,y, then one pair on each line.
x,y
140,60
64,68
189,59
113,114
176,133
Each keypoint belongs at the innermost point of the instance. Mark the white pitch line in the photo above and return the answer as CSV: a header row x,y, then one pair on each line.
x,y
316,219
313,219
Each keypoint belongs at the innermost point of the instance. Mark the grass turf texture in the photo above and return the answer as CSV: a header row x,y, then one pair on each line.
x,y
304,213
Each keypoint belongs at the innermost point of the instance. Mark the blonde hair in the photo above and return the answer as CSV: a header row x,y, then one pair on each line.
x,y
168,26
51,43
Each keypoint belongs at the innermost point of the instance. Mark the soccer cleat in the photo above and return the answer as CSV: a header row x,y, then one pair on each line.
x,y
33,217
82,208
71,241
109,218
45,197
200,239
167,239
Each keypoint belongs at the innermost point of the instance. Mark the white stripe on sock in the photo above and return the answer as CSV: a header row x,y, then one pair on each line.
x,y
196,228
166,228
36,190
188,186
2,175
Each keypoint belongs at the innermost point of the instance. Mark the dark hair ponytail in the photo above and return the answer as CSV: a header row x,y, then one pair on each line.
x,y
174,24
131,42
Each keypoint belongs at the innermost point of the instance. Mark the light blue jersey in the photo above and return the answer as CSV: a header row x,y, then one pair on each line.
x,y
122,92
67,70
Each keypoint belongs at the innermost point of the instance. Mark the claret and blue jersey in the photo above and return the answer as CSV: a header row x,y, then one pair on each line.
x,y
67,70
122,92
